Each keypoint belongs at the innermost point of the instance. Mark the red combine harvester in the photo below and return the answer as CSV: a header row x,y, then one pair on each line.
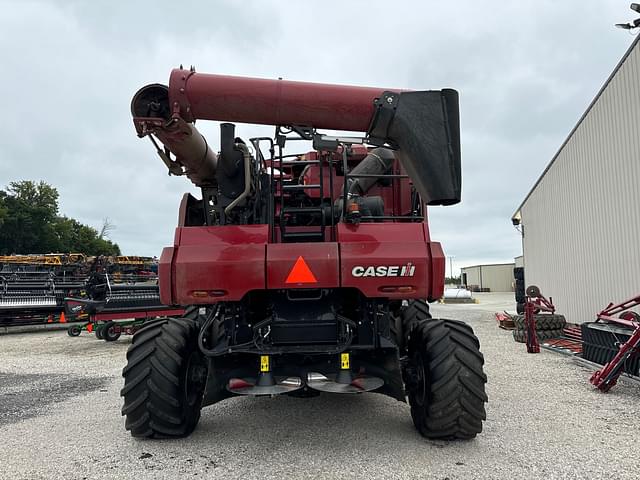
x,y
304,273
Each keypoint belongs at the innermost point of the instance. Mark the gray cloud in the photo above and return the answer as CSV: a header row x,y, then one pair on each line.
x,y
526,72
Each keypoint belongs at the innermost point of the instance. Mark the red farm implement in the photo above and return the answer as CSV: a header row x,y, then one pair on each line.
x,y
534,305
623,324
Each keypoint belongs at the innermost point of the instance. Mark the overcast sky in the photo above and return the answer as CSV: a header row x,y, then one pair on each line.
x,y
525,70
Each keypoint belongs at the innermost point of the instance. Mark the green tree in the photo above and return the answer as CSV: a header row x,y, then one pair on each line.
x,y
30,223
3,209
31,210
72,236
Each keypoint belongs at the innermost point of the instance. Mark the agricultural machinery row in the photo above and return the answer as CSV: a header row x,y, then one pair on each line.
x,y
125,268
120,291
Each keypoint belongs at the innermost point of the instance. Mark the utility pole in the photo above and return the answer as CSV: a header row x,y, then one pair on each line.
x,y
451,257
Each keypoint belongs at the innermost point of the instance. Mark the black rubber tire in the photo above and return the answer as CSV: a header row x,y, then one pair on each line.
x,y
395,330
98,331
543,322
162,394
74,331
447,398
520,308
533,291
108,332
415,312
401,325
217,330
519,335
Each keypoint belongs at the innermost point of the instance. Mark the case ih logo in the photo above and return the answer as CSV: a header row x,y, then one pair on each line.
x,y
384,270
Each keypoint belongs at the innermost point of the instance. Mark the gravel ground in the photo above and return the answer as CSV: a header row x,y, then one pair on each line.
x,y
60,418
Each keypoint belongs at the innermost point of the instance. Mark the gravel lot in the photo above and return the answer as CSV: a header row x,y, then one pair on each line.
x,y
60,418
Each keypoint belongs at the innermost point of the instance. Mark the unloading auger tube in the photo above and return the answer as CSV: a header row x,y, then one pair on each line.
x,y
421,126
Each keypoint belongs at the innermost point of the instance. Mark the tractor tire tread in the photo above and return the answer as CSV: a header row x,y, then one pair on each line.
x,y
414,312
456,395
519,335
543,321
153,391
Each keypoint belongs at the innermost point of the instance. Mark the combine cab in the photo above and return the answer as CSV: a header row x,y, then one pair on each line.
x,y
304,272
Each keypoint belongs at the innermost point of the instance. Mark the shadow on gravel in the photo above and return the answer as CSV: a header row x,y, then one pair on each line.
x,y
29,395
332,416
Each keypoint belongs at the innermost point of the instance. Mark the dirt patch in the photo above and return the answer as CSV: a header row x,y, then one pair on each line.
x,y
28,395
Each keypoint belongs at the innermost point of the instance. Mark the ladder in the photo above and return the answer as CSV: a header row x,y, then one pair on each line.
x,y
286,188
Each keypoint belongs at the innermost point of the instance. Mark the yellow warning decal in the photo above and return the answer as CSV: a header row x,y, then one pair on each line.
x,y
344,361
264,363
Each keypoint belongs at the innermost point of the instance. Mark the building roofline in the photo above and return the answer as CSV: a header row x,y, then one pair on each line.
x,y
488,265
516,214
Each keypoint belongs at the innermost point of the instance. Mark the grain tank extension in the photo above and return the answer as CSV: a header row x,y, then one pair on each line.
x,y
304,272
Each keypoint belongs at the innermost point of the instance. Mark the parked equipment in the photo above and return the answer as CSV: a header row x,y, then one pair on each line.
x,y
622,324
125,268
113,310
33,298
505,320
304,272
33,287
539,316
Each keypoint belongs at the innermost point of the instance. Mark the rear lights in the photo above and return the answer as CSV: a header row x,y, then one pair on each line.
x,y
397,289
207,293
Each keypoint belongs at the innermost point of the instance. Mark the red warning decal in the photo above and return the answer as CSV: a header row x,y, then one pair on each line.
x,y
301,273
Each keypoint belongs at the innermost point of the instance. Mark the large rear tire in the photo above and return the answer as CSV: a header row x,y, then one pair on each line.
x,y
164,380
445,380
402,323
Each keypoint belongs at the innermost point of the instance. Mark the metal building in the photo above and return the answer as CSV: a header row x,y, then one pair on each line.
x,y
496,277
581,220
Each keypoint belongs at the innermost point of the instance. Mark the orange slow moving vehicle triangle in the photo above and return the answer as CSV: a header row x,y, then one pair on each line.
x,y
301,273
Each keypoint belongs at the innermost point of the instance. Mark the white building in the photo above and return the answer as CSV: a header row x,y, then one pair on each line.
x,y
581,220
495,277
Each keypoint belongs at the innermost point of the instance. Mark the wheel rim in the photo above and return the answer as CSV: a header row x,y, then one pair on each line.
x,y
195,379
420,383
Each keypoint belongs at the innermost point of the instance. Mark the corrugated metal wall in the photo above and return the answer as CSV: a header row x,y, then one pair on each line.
x,y
582,221
473,275
496,277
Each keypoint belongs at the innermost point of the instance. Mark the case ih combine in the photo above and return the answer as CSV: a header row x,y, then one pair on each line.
x,y
304,273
